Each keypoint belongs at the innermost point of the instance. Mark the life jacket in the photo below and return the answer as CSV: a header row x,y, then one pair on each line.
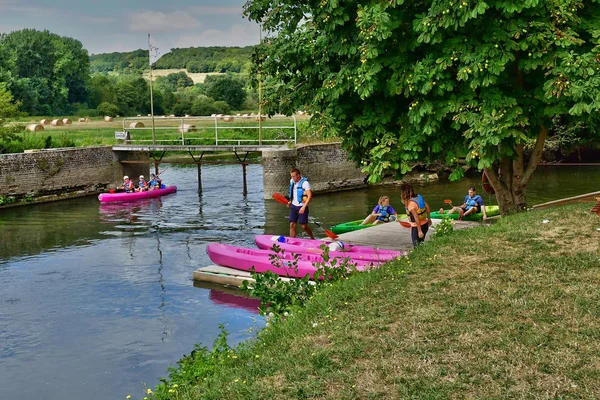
x,y
143,184
471,202
385,216
299,191
421,211
128,187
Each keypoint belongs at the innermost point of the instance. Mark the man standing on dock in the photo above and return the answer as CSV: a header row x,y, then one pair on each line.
x,y
300,197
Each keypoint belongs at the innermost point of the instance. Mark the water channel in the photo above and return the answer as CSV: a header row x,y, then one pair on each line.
x,y
97,300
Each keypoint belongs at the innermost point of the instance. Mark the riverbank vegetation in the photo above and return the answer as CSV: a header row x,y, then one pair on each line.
x,y
508,310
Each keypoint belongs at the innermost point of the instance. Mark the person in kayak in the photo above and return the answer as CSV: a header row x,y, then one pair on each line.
x,y
142,184
418,213
473,204
128,186
155,182
300,196
382,212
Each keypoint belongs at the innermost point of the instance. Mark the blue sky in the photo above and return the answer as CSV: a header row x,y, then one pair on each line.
x,y
104,26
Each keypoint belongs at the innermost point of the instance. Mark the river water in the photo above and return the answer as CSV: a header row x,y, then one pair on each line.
x,y
97,300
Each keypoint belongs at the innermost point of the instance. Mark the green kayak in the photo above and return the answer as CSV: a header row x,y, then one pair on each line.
x,y
489,210
352,226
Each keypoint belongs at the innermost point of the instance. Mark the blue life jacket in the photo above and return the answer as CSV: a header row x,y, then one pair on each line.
x,y
385,216
299,190
472,202
421,210
154,183
128,187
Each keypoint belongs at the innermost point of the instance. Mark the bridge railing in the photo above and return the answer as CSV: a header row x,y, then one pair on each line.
x,y
216,129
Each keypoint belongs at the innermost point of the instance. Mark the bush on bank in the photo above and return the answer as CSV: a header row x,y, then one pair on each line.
x,y
507,310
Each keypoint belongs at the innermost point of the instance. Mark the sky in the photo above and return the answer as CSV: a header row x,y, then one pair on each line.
x,y
106,26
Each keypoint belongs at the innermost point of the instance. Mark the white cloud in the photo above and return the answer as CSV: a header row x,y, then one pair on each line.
x,y
154,21
215,10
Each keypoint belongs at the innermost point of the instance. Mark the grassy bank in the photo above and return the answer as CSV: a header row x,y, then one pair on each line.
x,y
506,311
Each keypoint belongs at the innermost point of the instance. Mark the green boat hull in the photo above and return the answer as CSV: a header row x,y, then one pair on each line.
x,y
352,226
489,210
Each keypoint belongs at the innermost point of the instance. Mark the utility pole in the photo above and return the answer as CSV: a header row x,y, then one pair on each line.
x,y
150,49
260,91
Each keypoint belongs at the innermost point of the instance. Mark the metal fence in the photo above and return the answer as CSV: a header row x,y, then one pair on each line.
x,y
217,129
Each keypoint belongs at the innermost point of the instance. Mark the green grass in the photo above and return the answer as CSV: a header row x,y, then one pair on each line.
x,y
99,132
506,311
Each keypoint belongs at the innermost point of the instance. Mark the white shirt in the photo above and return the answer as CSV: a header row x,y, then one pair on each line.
x,y
305,186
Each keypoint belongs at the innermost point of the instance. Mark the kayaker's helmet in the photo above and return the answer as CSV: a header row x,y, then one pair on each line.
x,y
336,246
125,177
141,176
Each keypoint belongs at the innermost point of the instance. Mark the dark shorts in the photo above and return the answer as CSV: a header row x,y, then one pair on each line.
x,y
295,216
414,233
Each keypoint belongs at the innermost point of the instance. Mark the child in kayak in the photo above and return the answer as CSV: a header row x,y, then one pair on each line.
x,y
142,184
382,212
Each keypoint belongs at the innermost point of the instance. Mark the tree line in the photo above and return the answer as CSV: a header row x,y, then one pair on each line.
x,y
45,74
193,59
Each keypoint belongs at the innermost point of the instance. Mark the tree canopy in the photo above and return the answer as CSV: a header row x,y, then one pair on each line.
x,y
44,71
407,81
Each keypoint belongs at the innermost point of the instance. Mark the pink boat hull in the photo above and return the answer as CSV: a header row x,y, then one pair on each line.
x,y
122,196
303,246
244,259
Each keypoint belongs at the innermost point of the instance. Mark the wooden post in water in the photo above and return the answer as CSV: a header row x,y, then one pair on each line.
x,y
199,177
245,192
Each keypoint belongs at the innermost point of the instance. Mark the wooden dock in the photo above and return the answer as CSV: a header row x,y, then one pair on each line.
x,y
385,236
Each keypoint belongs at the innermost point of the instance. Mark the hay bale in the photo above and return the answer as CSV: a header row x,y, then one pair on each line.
x,y
57,122
228,118
186,128
45,122
67,121
137,124
81,120
107,119
35,127
88,120
261,117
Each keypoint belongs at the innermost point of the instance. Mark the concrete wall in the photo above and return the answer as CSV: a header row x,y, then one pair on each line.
x,y
325,165
53,174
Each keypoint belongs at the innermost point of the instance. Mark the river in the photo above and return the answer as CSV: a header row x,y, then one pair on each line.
x,y
97,300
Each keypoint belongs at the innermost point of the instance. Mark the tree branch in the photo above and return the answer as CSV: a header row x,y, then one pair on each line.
x,y
535,156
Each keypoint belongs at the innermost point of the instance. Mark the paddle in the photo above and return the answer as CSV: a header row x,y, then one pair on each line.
x,y
405,224
331,234
278,197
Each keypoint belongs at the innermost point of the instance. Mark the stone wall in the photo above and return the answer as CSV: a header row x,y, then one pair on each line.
x,y
325,165
45,175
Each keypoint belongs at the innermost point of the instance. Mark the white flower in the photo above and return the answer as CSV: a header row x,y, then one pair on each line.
x,y
545,221
315,324
285,314
267,325
271,315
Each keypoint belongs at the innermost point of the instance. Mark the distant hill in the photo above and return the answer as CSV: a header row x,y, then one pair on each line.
x,y
193,59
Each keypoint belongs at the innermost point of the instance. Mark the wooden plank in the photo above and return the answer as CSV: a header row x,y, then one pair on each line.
x,y
224,275
583,198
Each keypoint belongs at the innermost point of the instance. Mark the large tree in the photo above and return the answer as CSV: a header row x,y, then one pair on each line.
x,y
407,81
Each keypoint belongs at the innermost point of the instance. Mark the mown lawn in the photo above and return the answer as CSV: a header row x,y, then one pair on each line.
x,y
511,310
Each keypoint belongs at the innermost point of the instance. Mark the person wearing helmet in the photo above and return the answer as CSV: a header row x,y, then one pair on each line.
x,y
142,184
127,185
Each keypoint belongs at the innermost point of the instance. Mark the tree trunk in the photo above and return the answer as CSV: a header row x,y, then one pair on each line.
x,y
511,176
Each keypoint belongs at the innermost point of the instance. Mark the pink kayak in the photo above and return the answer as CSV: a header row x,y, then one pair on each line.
x,y
302,246
244,259
148,194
